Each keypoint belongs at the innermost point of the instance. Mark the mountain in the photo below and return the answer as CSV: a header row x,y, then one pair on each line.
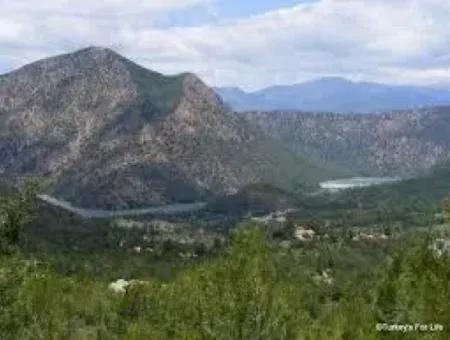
x,y
404,143
335,95
107,133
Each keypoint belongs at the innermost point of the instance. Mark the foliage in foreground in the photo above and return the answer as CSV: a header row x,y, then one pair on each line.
x,y
245,294
16,211
252,291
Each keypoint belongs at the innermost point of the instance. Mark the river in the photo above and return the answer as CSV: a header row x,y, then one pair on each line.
x,y
170,209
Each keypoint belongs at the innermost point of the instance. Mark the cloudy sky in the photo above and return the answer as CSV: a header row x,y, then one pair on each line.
x,y
251,45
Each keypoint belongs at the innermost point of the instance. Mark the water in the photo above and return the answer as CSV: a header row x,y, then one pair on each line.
x,y
170,209
356,182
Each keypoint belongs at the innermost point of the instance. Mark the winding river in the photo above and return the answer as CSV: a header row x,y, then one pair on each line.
x,y
170,209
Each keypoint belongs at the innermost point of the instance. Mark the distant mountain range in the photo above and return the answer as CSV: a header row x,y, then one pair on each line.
x,y
108,133
336,95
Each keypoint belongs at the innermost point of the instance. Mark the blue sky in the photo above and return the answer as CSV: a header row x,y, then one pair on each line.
x,y
250,44
239,9
220,10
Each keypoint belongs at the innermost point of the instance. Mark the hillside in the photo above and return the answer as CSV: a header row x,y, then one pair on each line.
x,y
402,143
107,133
335,95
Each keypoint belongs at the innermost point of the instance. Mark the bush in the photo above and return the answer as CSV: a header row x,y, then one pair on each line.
x,y
16,211
249,292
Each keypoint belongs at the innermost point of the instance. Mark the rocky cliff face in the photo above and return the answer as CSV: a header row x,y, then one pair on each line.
x,y
108,133
402,143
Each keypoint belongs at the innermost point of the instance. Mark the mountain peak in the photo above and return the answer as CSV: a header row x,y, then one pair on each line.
x,y
96,52
332,80
97,49
107,132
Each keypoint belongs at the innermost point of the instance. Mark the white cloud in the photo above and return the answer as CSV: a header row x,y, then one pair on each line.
x,y
30,29
392,41
97,8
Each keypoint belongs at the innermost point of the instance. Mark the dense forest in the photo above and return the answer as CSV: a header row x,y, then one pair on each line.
x,y
251,287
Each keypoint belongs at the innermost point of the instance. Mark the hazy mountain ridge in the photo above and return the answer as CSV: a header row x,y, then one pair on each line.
x,y
335,95
402,143
109,133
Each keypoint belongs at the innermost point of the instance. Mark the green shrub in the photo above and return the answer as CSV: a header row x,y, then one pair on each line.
x,y
16,211
251,291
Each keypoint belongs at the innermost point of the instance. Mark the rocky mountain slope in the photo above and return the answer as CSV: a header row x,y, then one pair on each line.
x,y
335,95
402,143
108,133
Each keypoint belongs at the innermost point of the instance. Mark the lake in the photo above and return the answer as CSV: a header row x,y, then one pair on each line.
x,y
356,182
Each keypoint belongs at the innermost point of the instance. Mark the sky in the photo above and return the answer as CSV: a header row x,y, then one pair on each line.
x,y
250,44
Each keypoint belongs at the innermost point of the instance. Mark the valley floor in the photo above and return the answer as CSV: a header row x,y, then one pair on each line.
x,y
330,269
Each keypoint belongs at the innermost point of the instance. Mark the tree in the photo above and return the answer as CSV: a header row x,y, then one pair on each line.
x,y
446,208
16,211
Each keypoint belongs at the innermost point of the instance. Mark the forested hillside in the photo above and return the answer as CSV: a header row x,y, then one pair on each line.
x,y
334,286
105,132
402,143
